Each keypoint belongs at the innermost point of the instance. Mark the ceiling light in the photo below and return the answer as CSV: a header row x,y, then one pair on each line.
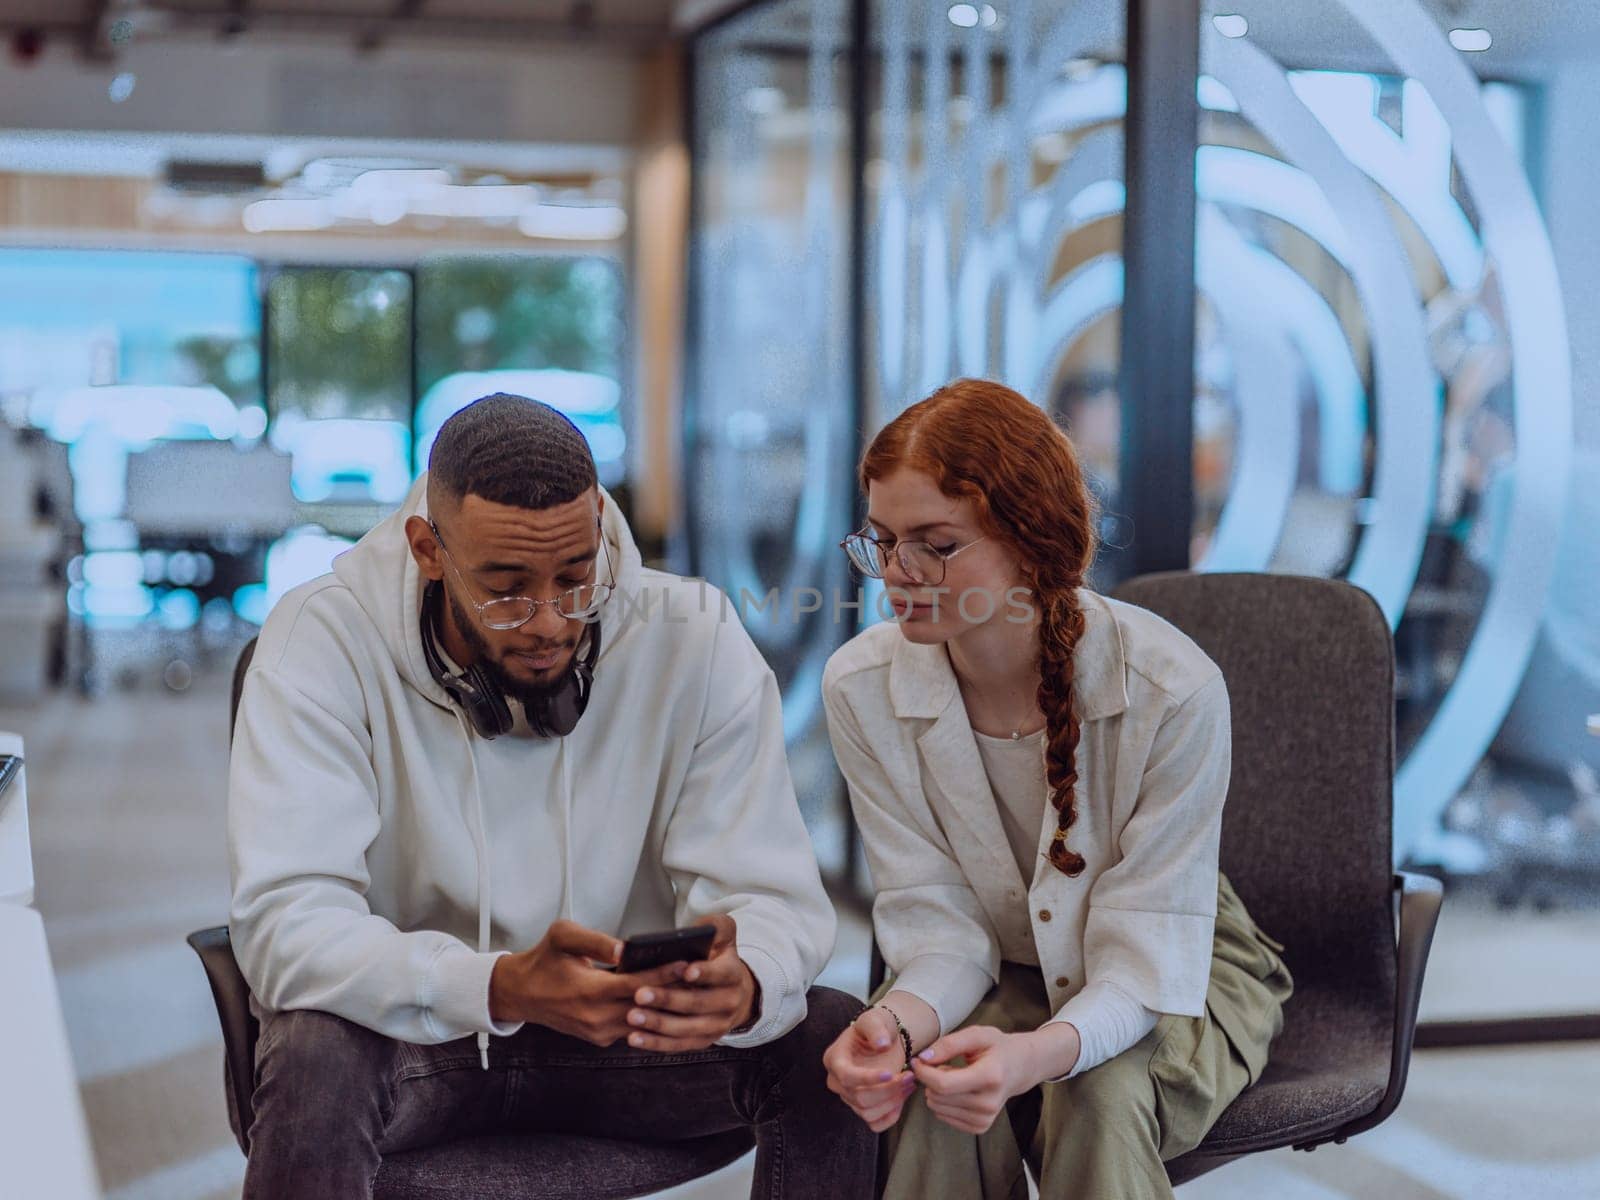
x,y
389,179
573,222
963,15
479,201
1472,41
386,208
287,214
328,174
1231,25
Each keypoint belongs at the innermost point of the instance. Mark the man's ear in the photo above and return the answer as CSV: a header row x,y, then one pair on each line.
x,y
424,548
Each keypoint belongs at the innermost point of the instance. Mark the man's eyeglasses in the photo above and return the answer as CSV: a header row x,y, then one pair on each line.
x,y
923,563
513,612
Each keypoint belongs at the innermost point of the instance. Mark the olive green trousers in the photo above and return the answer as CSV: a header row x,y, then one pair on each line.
x,y
1105,1134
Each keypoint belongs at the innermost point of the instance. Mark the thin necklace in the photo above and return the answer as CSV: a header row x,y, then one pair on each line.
x,y
1015,726
1016,730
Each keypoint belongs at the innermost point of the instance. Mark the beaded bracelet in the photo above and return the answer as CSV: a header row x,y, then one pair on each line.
x,y
905,1038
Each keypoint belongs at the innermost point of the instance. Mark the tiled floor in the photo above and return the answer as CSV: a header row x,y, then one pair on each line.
x,y
127,806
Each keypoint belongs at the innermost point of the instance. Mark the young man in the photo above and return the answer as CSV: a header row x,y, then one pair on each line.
x,y
482,750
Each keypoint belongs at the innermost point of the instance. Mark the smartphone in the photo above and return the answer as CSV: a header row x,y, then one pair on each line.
x,y
10,765
643,951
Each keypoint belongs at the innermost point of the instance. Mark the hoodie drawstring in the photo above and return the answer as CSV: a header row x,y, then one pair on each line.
x,y
485,883
566,834
485,892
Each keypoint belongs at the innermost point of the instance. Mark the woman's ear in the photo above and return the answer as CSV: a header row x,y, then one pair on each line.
x,y
1012,571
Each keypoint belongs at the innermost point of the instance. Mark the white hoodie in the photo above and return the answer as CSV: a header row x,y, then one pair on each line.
x,y
383,855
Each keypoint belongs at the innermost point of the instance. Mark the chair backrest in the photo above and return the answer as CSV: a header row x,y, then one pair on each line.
x,y
239,669
1306,833
228,987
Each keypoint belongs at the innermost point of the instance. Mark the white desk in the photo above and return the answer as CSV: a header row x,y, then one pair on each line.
x,y
44,1140
16,858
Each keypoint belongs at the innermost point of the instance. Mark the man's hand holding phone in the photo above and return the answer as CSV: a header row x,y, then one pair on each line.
x,y
558,985
713,998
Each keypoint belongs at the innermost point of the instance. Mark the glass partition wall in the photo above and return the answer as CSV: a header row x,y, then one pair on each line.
x,y
994,187
1381,321
1348,217
771,428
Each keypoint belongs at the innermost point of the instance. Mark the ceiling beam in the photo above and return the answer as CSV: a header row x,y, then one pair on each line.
x,y
409,19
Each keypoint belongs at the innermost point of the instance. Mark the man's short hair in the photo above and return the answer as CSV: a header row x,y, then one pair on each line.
x,y
514,451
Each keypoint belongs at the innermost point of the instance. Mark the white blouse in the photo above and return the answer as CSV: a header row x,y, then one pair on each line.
x,y
1153,759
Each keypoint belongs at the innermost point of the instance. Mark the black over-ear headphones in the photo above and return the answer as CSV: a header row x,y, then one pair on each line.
x,y
487,711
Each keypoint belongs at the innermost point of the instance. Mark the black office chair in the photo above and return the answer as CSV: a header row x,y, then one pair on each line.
x,y
1306,843
496,1167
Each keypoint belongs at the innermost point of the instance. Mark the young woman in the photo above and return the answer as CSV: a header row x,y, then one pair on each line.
x,y
1038,775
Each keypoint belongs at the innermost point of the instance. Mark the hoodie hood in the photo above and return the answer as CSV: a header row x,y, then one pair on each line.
x,y
383,576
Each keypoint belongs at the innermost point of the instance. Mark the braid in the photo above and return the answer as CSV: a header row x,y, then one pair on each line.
x,y
983,442
1060,627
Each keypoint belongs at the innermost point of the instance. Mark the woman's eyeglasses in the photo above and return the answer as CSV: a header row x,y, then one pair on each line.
x,y
513,612
923,562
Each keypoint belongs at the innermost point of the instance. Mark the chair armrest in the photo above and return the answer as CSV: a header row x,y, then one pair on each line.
x,y
1420,897
239,1028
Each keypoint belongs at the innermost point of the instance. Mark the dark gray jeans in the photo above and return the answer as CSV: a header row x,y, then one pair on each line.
x,y
333,1097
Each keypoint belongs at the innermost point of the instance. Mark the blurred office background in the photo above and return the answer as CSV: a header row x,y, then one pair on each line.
x,y
253,253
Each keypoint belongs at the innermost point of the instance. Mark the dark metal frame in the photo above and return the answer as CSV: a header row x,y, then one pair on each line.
x,y
1161,135
860,118
1508,1031
682,548
367,31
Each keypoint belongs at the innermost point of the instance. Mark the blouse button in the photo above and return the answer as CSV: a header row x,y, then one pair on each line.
x,y
1062,981
1044,914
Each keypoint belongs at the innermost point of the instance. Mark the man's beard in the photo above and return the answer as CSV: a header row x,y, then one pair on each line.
x,y
526,694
